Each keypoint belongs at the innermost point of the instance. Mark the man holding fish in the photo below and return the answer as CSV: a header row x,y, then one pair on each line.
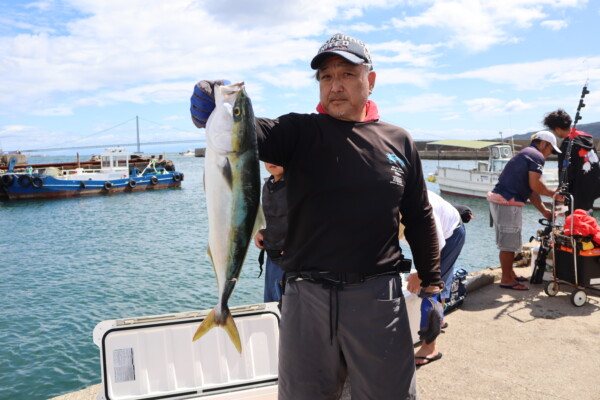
x,y
349,177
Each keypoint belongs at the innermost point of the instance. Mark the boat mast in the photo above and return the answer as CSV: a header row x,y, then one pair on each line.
x,y
137,128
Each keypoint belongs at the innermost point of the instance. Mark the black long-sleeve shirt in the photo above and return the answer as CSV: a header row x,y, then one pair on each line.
x,y
582,175
347,182
274,204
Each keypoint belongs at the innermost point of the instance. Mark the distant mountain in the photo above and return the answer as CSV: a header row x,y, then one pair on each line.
x,y
592,128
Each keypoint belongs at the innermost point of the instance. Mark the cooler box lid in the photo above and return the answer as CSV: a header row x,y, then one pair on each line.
x,y
154,357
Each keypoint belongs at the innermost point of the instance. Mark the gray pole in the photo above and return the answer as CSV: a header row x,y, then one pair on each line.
x,y
137,127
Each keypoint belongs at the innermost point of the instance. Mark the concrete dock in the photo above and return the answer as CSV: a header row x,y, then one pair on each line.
x,y
507,344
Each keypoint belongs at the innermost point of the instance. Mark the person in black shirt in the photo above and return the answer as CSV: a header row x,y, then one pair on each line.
x,y
271,238
578,170
349,177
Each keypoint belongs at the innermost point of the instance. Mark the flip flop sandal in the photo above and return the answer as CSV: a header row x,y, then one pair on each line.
x,y
428,360
521,279
516,286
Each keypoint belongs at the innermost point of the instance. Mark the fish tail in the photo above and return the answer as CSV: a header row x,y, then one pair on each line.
x,y
232,331
229,326
205,326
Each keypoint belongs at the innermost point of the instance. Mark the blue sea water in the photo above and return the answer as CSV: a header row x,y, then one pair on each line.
x,y
69,264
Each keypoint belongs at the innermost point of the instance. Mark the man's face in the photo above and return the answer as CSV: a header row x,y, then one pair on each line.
x,y
545,148
561,133
345,88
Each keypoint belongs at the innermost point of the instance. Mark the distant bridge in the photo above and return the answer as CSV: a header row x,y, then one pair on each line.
x,y
108,145
101,146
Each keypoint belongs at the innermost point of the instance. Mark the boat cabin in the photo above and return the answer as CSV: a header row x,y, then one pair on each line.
x,y
115,160
500,154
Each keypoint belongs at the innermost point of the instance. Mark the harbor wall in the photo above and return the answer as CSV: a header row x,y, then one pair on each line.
x,y
433,152
5,158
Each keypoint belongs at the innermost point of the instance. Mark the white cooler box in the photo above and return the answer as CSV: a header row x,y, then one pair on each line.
x,y
155,358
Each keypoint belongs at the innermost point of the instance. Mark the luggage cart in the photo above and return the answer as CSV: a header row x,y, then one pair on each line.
x,y
573,265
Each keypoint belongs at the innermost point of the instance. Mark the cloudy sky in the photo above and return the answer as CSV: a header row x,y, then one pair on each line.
x,y
78,72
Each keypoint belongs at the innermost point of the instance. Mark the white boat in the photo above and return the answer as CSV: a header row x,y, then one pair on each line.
x,y
189,152
478,181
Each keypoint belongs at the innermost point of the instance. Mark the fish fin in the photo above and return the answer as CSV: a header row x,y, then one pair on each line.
x,y
212,262
232,331
260,221
229,326
205,326
209,254
225,168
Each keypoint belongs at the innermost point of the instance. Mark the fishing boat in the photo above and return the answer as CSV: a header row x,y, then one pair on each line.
x,y
478,181
116,172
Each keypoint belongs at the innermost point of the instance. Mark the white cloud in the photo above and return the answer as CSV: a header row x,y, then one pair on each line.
x,y
21,137
428,102
114,53
156,93
288,78
352,13
405,52
12,130
489,105
43,5
477,25
360,27
517,105
126,48
394,76
554,25
486,105
540,74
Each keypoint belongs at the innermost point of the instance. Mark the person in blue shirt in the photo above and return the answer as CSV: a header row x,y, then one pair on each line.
x,y
521,180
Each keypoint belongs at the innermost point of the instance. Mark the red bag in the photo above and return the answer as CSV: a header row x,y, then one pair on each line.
x,y
583,225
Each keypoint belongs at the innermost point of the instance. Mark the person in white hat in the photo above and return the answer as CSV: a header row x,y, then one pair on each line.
x,y
521,180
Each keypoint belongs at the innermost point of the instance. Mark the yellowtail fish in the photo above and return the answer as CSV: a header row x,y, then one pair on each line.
x,y
232,188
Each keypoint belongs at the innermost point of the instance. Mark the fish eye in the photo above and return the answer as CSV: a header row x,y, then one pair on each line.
x,y
237,112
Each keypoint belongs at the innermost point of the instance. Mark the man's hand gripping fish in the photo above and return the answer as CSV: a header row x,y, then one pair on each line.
x,y
232,188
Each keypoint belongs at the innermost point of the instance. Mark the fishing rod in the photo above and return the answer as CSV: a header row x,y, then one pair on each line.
x,y
567,160
581,105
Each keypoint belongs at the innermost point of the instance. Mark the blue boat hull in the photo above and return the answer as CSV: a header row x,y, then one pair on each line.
x,y
24,186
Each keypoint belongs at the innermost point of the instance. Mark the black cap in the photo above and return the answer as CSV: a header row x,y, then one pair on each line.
x,y
345,46
465,213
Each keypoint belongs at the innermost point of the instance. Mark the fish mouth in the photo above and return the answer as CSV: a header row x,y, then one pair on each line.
x,y
234,86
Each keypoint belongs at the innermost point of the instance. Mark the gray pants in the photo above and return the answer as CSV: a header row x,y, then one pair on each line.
x,y
360,331
508,224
